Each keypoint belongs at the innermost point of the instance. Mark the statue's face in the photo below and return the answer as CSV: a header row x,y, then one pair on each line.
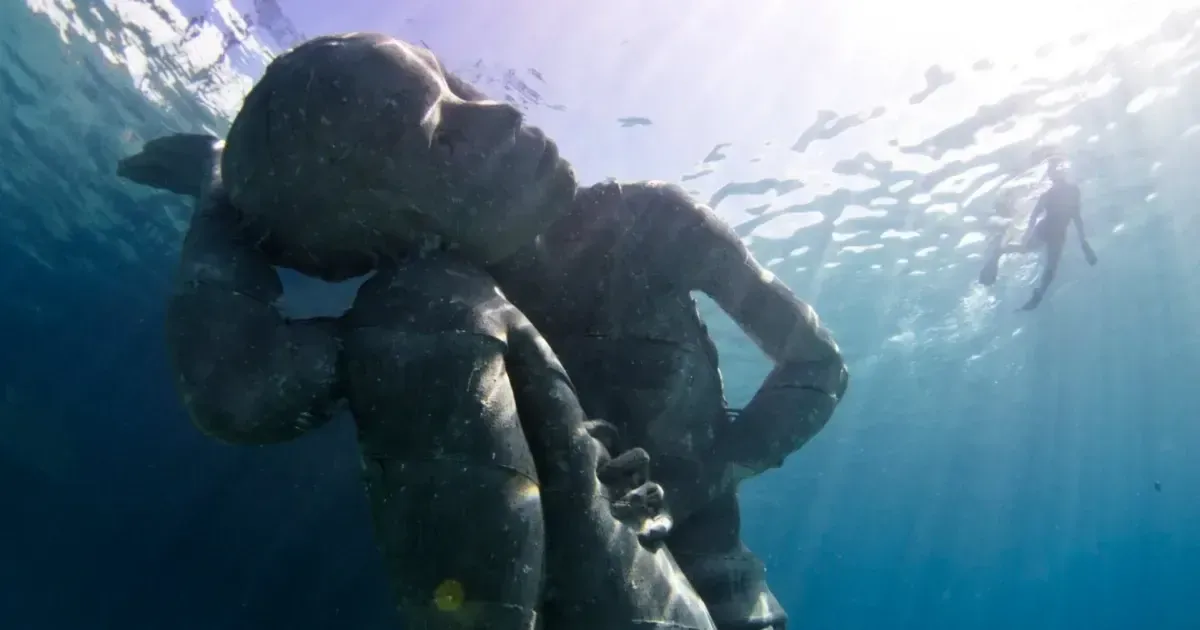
x,y
474,157
367,129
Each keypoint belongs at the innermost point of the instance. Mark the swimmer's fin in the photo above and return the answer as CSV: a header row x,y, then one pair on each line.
x,y
181,163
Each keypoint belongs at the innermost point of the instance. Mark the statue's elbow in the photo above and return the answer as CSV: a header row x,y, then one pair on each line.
x,y
268,383
221,426
242,419
839,375
830,373
812,360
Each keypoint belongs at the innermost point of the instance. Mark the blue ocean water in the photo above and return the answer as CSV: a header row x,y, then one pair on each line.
x,y
988,470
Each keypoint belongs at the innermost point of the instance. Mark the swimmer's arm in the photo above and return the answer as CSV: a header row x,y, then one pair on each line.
x,y
1077,219
246,375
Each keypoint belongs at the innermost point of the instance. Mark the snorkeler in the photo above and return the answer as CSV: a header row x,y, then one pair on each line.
x,y
1056,209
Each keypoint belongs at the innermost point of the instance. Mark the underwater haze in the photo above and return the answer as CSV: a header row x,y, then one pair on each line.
x,y
989,469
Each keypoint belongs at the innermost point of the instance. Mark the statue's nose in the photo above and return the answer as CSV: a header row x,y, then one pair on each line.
x,y
490,125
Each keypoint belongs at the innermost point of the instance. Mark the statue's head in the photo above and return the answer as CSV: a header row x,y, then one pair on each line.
x,y
362,144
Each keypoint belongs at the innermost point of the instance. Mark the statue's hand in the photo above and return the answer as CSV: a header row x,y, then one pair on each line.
x,y
643,508
636,501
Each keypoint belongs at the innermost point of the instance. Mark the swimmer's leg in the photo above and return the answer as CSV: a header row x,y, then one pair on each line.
x,y
1031,242
728,577
991,260
1050,260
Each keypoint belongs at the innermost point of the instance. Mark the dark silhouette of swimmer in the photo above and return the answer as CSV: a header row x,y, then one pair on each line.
x,y
609,285
1056,210
494,500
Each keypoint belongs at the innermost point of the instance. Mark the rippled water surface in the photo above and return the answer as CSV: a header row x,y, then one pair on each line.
x,y
989,469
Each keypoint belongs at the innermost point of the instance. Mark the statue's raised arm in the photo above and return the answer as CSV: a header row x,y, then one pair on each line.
x,y
245,373
799,396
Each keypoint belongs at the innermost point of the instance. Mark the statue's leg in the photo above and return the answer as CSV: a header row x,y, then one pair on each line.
x,y
452,484
729,577
461,544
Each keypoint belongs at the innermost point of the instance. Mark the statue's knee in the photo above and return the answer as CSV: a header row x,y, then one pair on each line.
x,y
458,539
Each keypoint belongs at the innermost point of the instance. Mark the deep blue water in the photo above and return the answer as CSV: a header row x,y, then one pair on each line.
x,y
988,470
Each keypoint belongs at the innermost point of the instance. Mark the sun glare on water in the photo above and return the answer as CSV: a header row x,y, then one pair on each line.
x,y
999,30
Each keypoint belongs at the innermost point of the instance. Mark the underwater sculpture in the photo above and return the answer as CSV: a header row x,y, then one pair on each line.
x,y
484,477
607,280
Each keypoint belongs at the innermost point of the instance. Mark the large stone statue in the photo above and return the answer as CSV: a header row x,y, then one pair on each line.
x,y
479,464
480,467
605,272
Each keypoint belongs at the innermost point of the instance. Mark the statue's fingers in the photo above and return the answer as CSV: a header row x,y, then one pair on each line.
x,y
645,501
655,530
628,470
643,509
649,495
